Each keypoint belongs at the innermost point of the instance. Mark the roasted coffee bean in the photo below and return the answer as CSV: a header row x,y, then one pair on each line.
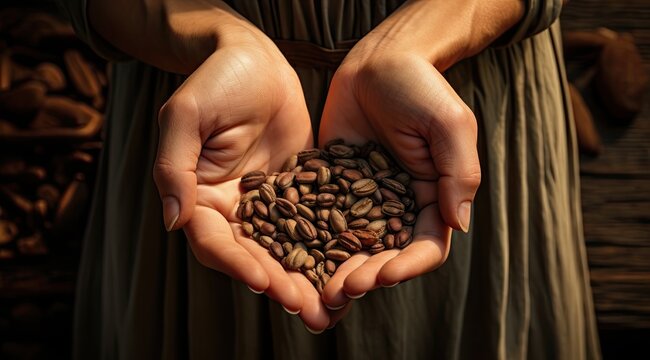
x,y
310,263
315,243
267,228
394,186
253,180
377,198
395,224
330,244
361,208
337,221
382,174
389,241
388,195
364,187
306,177
324,235
350,199
408,203
291,229
257,221
248,228
285,207
266,241
300,245
358,223
291,194
267,193
296,258
323,176
274,214
271,181
251,196
346,163
309,200
337,254
375,213
341,151
287,246
348,241
344,186
323,225
290,164
308,154
409,218
375,249
276,250
392,208
340,201
311,276
365,168
314,164
378,161
366,237
320,267
282,238
305,189
325,200
323,214
403,178
337,141
403,238
325,278
256,235
246,210
317,254
329,188
285,179
378,227
352,175
307,229
261,209
337,170
319,285
306,212
330,267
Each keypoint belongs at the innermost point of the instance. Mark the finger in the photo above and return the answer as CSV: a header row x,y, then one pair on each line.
x,y
364,278
333,295
281,287
428,250
337,315
313,312
214,246
452,144
179,147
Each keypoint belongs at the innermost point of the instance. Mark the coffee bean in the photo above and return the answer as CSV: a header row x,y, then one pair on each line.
x,y
291,229
324,235
377,198
253,180
284,180
274,214
248,228
392,208
307,229
364,187
315,243
315,164
306,177
330,244
344,186
409,204
287,246
267,193
389,241
282,238
337,170
325,278
395,224
337,254
311,276
378,161
403,238
329,188
337,141
393,185
365,168
346,163
251,196
266,241
348,241
309,200
409,218
285,207
276,250
308,154
366,237
361,208
296,258
297,169
267,228
358,223
330,267
320,268
341,151
271,181
337,221
375,213
257,221
388,195
261,209
352,175
382,174
403,178
317,255
323,176
377,248
340,201
290,164
306,212
323,225
350,199
291,194
310,263
325,200
378,227
323,214
305,189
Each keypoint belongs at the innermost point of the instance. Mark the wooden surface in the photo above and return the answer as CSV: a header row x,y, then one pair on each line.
x,y
616,185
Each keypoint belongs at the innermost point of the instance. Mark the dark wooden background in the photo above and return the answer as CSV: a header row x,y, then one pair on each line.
x,y
616,193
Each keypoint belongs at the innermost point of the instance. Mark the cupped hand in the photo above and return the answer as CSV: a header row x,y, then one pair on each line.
x,y
241,110
401,101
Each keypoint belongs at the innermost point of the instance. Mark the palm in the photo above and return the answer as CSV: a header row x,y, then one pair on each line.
x,y
385,109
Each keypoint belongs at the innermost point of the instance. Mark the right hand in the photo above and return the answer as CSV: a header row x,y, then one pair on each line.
x,y
241,110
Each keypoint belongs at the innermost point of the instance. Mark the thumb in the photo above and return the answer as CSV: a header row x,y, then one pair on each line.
x,y
454,153
179,147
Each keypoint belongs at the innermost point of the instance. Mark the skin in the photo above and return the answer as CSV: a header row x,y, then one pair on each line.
x,y
225,120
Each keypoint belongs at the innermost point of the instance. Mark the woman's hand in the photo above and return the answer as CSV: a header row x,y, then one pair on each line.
x,y
390,89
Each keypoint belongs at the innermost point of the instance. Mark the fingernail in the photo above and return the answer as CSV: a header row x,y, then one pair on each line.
x,y
391,285
256,291
335,307
355,296
290,312
464,212
170,211
315,332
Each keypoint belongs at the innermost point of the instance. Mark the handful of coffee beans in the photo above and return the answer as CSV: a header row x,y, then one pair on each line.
x,y
326,205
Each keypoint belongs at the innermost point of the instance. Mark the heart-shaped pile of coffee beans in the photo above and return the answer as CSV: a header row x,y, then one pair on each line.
x,y
326,205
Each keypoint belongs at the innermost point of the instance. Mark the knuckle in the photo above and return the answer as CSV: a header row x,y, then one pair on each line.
x,y
163,169
179,105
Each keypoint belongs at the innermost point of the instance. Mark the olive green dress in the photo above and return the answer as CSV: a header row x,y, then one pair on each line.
x,y
517,286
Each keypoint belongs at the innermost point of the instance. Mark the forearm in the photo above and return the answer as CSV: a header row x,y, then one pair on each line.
x,y
174,35
442,31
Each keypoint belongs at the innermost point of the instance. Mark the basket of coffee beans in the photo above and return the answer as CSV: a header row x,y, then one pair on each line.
x,y
327,204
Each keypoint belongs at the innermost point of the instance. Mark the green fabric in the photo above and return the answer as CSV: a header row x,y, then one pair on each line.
x,y
517,286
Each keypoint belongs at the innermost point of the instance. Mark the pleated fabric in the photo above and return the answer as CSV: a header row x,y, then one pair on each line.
x,y
515,287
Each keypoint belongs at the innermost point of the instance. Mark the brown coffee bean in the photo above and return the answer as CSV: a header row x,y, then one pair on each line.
x,y
375,213
348,241
376,248
330,267
323,214
290,164
395,224
366,237
300,245
329,188
282,238
310,263
346,163
365,168
306,212
393,185
319,285
330,244
317,255
246,210
350,199
324,235
325,200
378,227
261,209
377,198
276,250
306,177
392,208
389,241
409,218
382,174
361,208
265,241
256,235
267,193
311,276
341,151
358,223
267,228
344,186
274,214
291,229
297,169
309,200
315,243
251,196
271,181
257,221
364,187
340,201
337,221
308,154
305,189
291,194
403,238
248,228
287,246
337,170
378,161
403,178
352,175
388,195
320,268
323,176
325,278
337,254
408,202
296,258
284,180
314,164
337,141
323,225
306,229
253,180
285,207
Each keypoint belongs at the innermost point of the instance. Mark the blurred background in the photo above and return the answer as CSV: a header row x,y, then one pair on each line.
x,y
52,98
